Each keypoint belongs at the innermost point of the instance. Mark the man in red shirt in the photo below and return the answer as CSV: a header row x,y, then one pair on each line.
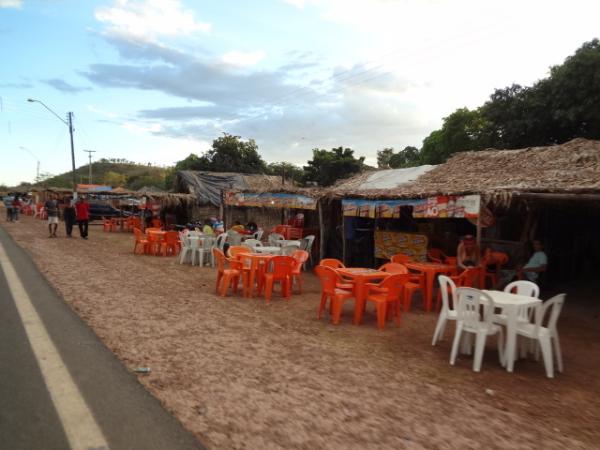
x,y
82,209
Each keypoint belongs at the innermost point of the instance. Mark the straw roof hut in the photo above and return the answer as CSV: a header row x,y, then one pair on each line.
x,y
564,170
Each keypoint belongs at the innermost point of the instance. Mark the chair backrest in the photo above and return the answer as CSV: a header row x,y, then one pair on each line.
x,y
435,255
328,278
258,235
307,242
468,277
394,284
289,250
523,287
451,260
220,241
219,257
207,242
234,250
475,308
554,305
156,223
281,266
233,237
331,262
393,268
273,237
171,237
300,256
401,258
447,289
499,258
252,243
138,234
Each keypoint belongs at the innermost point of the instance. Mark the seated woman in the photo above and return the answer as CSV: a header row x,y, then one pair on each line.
x,y
467,253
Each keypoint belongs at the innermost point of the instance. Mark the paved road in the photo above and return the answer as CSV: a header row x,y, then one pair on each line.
x,y
60,387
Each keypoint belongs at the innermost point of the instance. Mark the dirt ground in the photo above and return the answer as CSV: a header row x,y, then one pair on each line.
x,y
243,375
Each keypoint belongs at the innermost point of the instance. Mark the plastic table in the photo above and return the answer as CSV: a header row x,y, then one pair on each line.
x,y
360,277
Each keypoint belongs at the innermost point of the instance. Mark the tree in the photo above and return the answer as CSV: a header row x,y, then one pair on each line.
x,y
231,154
114,179
327,166
383,157
292,173
409,157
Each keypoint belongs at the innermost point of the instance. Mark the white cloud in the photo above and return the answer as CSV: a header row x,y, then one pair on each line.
x,y
297,3
137,128
243,59
11,3
148,19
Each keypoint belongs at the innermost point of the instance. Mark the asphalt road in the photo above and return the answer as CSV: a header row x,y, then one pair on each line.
x,y
40,408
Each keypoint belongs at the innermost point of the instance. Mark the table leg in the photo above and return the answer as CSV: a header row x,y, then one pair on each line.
x,y
511,337
359,294
428,294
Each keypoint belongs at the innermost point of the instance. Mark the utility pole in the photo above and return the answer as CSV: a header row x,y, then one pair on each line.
x,y
89,152
37,172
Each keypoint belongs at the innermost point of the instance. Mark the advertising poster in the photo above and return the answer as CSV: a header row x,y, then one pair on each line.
x,y
388,243
440,207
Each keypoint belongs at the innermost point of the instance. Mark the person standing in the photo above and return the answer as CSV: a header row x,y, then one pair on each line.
x,y
16,208
82,210
51,206
69,215
8,201
467,253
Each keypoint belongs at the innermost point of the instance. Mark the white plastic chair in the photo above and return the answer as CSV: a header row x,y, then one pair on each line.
x,y
274,237
547,336
251,243
234,238
448,312
306,244
204,250
186,249
520,287
258,235
474,315
218,242
288,250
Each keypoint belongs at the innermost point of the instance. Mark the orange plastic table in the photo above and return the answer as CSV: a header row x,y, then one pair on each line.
x,y
155,238
360,277
431,271
256,264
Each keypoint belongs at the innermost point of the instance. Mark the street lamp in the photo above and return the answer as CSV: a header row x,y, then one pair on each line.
x,y
69,123
37,174
89,152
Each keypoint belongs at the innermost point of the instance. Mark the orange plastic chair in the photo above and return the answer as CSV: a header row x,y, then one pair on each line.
x,y
225,276
300,257
329,279
401,258
108,225
436,255
415,282
170,244
388,291
235,250
140,241
467,278
393,268
331,262
280,270
498,258
156,223
154,243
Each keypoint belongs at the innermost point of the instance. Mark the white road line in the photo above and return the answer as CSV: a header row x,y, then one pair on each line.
x,y
78,421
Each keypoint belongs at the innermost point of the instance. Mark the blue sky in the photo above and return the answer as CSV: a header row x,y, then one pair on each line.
x,y
154,80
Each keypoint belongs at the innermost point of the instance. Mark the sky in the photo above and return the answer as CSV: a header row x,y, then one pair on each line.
x,y
152,81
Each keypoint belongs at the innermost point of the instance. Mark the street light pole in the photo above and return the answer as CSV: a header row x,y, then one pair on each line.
x,y
68,123
89,152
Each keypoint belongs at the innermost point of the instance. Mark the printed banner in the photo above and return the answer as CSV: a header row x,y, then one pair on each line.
x,y
388,243
428,208
269,200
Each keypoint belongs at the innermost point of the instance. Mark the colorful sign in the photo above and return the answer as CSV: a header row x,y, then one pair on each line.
x,y
427,208
389,243
269,200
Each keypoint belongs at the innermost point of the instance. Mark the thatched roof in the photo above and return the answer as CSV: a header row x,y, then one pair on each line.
x,y
207,186
572,167
381,179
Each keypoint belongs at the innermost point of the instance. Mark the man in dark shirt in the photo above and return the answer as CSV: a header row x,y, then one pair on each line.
x,y
82,208
69,216
51,206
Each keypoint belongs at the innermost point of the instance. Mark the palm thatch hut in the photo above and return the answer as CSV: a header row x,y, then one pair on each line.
x,y
550,193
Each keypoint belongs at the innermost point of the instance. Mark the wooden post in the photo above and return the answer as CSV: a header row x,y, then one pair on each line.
x,y
343,233
321,231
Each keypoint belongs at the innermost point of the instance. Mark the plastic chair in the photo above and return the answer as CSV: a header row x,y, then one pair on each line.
x,y
170,244
140,241
497,258
234,238
156,223
523,287
274,237
332,262
448,311
258,235
219,243
280,270
474,314
401,258
307,243
186,248
547,336
252,243
300,257
235,250
435,255
288,250
108,225
393,268
390,290
225,277
329,291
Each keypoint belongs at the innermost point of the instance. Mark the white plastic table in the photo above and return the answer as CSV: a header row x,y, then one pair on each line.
x,y
267,249
286,242
510,304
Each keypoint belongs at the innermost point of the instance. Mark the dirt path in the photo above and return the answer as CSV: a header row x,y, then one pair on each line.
x,y
240,374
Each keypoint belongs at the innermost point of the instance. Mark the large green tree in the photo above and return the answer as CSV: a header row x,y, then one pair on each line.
x,y
328,166
409,157
289,171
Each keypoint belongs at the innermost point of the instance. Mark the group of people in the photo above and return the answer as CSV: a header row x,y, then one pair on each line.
x,y
215,226
13,206
73,212
468,254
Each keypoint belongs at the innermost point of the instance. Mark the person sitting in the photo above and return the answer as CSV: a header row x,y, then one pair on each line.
x,y
218,226
207,228
237,226
467,253
537,263
252,227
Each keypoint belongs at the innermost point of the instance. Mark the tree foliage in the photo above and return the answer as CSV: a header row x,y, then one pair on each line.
x,y
327,166
291,172
115,179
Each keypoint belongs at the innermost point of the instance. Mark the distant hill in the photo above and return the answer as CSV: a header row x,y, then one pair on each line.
x,y
112,172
